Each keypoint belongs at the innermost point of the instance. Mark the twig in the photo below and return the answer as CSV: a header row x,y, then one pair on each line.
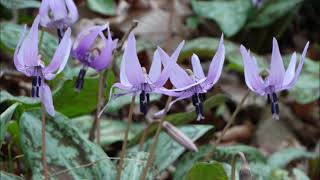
x,y
125,141
43,143
125,36
230,122
97,121
155,140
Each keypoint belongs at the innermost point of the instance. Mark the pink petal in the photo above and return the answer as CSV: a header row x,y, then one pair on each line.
x,y
29,47
216,64
155,69
132,65
251,72
61,55
277,70
17,59
289,75
44,13
196,67
46,99
73,11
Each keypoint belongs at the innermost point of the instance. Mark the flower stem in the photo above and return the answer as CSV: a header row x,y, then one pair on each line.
x,y
143,137
43,143
230,122
125,141
244,171
95,131
154,142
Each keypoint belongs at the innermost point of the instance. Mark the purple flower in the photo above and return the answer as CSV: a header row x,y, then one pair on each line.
x,y
134,79
277,80
195,84
28,61
58,14
91,54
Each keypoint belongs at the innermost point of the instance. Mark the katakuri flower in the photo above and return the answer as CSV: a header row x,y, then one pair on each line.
x,y
28,61
58,14
277,80
93,50
194,84
134,79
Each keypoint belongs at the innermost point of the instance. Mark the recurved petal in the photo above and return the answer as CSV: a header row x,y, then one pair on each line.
x,y
133,68
105,58
175,54
73,11
163,112
85,40
277,70
155,69
29,47
17,58
179,77
299,68
251,71
216,64
289,75
196,67
58,9
46,99
61,55
44,13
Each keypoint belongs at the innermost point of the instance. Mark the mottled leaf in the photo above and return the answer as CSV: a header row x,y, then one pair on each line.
x,y
111,130
20,4
67,148
5,117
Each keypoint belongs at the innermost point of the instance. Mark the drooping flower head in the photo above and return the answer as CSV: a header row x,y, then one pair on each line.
x,y
194,83
135,80
28,61
58,14
93,50
278,78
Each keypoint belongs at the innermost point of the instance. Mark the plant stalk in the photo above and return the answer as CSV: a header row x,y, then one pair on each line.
x,y
229,123
43,143
96,130
244,171
154,142
125,141
143,137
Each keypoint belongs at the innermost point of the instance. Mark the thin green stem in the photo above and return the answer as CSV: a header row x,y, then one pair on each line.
x,y
229,123
154,142
125,141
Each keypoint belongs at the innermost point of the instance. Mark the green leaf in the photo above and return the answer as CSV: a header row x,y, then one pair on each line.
x,y
272,11
299,174
9,37
66,149
206,47
111,130
207,171
20,4
5,96
5,117
221,154
105,7
72,103
8,176
118,103
231,16
168,150
282,158
134,164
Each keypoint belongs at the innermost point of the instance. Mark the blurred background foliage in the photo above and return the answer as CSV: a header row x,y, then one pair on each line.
x,y
285,149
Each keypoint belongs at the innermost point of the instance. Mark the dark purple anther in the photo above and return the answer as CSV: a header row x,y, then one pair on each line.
x,y
60,33
144,101
80,79
197,101
274,105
